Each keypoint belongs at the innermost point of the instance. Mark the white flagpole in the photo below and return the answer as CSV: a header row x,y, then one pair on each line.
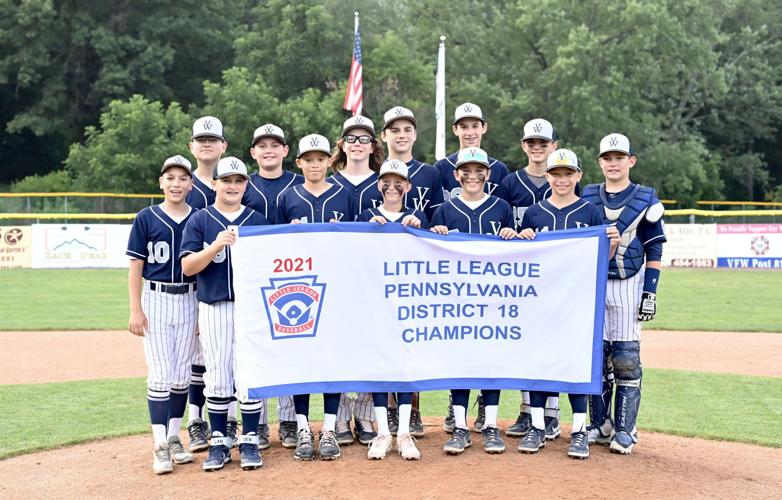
x,y
439,104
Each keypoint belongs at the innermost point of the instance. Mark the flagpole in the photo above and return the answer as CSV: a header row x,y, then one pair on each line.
x,y
439,105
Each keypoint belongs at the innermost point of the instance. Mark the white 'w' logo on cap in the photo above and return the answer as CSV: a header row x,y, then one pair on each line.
x,y
537,127
314,141
613,141
207,124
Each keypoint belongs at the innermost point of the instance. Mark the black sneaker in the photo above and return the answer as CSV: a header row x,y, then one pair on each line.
x,y
450,421
522,425
305,447
343,433
460,440
263,436
328,447
287,433
219,453
533,441
416,426
198,439
492,442
365,433
231,429
393,421
552,428
249,452
477,426
579,446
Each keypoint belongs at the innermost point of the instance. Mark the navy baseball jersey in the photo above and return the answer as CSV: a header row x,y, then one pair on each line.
x,y
491,216
544,216
365,195
202,195
367,214
446,166
427,192
215,281
263,195
298,203
638,213
521,192
156,239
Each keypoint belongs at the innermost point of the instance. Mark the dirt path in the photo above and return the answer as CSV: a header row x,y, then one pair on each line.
x,y
35,357
660,467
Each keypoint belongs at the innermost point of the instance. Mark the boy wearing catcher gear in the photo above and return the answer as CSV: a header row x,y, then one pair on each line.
x,y
356,161
206,252
394,184
269,149
315,201
562,210
207,145
163,310
474,211
470,126
633,275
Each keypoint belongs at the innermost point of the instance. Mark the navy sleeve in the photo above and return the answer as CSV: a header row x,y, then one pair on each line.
x,y
507,219
192,236
365,216
525,221
137,240
438,219
423,218
282,216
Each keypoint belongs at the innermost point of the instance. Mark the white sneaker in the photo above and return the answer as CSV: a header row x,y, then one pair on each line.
x,y
379,447
161,459
405,443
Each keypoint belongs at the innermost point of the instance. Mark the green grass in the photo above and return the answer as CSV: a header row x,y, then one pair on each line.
x,y
64,299
722,407
97,299
718,300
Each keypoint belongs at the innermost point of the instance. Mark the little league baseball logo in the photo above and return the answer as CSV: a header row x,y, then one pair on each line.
x,y
293,306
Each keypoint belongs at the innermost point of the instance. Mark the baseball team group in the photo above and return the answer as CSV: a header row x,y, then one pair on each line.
x,y
182,299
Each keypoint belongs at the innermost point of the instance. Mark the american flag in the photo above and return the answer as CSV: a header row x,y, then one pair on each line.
x,y
354,95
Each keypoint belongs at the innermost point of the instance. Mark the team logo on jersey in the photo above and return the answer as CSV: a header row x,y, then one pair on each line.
x,y
495,227
293,306
422,201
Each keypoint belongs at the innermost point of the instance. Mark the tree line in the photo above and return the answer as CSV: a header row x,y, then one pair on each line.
x,y
96,94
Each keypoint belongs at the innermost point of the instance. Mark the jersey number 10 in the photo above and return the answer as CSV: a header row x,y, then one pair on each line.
x,y
158,252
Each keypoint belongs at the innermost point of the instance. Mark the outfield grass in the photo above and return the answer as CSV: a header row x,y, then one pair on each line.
x,y
719,300
96,299
722,407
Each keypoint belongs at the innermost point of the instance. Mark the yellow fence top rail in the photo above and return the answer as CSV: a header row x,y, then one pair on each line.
x,y
68,216
741,203
79,195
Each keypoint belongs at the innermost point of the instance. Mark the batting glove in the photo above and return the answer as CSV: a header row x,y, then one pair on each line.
x,y
648,307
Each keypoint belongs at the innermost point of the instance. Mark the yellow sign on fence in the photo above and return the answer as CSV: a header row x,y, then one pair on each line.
x,y
15,247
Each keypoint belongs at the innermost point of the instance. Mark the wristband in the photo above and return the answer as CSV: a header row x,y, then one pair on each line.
x,y
651,278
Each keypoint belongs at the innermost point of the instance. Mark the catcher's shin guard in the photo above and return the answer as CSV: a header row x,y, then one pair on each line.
x,y
627,369
600,406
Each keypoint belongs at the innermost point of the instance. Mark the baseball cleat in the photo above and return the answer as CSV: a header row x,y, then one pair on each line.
x,y
477,426
622,443
328,446
492,442
450,421
393,420
197,429
249,452
416,425
552,428
522,425
405,443
579,446
263,436
219,453
287,433
231,430
178,453
343,433
161,459
365,432
600,434
379,447
460,440
533,441
305,447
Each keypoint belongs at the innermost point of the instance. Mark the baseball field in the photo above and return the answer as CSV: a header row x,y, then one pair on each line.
x,y
76,423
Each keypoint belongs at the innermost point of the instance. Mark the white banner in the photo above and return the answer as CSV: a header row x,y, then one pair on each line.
x,y
757,246
79,245
690,245
365,307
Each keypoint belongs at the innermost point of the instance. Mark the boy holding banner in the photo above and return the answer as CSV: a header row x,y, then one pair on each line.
x,y
474,211
394,184
562,210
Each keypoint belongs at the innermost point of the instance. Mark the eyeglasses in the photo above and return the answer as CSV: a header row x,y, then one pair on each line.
x,y
363,139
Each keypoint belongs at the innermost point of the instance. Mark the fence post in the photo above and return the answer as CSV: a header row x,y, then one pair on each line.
x,y
692,218
66,204
29,208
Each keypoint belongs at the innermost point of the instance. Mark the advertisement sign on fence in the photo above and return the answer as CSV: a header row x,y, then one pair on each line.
x,y
757,246
79,245
690,245
15,246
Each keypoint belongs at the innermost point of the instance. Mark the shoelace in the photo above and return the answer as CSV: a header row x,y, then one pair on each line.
x,y
215,452
481,409
231,428
329,438
304,437
196,431
288,427
450,412
493,433
342,426
163,454
393,418
579,439
360,425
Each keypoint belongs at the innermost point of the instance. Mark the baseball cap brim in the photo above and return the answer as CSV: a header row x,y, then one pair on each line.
x,y
228,174
571,167
315,150
208,135
536,136
464,163
617,150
